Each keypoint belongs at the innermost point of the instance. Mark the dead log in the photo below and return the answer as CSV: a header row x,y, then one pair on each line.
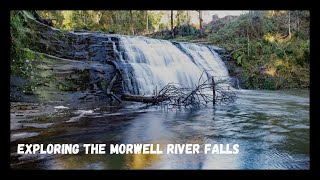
x,y
111,83
144,99
115,97
109,92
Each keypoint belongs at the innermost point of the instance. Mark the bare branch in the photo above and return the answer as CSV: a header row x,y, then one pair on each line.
x,y
213,90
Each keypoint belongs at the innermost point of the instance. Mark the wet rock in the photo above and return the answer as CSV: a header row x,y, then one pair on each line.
x,y
38,125
235,71
235,83
81,55
83,46
58,79
109,46
115,39
22,135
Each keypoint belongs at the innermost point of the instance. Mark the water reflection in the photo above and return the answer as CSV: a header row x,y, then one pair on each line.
x,y
271,127
141,161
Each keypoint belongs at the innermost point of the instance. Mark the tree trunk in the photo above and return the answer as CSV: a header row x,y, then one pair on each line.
x,y
200,23
298,25
84,18
144,99
172,33
132,24
99,15
289,25
178,18
147,22
188,18
298,21
248,40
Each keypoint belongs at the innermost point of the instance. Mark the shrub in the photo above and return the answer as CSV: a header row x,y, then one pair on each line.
x,y
19,41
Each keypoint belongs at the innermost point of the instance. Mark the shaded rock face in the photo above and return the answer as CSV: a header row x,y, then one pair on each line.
x,y
77,45
58,80
77,70
238,79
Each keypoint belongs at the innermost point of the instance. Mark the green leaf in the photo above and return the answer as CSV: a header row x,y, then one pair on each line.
x,y
239,60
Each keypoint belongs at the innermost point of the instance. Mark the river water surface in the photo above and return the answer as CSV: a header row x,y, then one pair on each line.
x,y
271,128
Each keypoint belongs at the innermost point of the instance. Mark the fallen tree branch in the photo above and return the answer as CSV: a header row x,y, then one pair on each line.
x,y
144,99
111,83
206,92
109,92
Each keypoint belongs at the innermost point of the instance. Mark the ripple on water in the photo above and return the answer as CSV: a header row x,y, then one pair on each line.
x,y
300,126
275,159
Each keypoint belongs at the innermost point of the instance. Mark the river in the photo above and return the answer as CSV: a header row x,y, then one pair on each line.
x,y
271,128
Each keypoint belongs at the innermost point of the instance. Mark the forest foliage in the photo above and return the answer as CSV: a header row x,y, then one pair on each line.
x,y
21,41
128,22
273,47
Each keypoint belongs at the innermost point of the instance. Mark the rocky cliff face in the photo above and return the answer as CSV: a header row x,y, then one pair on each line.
x,y
67,66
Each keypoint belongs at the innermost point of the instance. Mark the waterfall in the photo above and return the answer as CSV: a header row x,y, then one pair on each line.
x,y
155,63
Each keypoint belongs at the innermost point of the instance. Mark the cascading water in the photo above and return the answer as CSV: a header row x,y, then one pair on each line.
x,y
156,63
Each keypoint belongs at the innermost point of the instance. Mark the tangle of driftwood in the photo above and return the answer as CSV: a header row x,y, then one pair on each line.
x,y
204,93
